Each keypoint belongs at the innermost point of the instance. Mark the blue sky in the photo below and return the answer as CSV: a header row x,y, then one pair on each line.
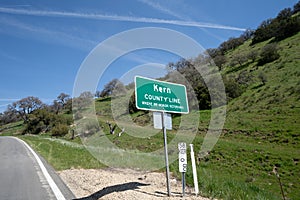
x,y
44,43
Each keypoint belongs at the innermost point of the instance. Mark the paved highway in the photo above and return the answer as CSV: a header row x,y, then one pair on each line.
x,y
26,176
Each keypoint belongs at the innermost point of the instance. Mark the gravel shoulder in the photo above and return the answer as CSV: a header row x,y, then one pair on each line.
x,y
113,184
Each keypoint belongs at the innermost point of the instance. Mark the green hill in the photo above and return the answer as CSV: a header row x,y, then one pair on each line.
x,y
257,152
261,129
272,107
261,132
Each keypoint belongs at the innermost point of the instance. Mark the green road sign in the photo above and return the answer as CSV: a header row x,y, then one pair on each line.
x,y
156,95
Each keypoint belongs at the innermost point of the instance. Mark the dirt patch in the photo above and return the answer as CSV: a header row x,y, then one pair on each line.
x,y
120,184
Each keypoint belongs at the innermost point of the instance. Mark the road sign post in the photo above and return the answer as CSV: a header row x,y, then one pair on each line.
x,y
182,163
166,154
164,97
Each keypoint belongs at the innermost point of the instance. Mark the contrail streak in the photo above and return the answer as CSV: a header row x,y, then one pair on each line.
x,y
9,99
116,18
3,105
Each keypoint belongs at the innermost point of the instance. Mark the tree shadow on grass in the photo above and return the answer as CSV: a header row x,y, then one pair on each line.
x,y
114,188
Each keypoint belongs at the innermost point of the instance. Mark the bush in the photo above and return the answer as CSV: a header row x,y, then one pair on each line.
x,y
38,121
239,58
62,119
262,77
264,32
233,43
244,78
252,55
60,130
34,126
268,54
233,88
220,60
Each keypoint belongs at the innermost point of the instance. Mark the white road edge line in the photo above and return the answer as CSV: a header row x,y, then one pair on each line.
x,y
54,187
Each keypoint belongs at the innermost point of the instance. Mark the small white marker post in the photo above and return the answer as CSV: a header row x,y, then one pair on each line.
x,y
182,163
194,170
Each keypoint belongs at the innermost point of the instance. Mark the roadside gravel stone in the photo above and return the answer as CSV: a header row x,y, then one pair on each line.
x,y
122,184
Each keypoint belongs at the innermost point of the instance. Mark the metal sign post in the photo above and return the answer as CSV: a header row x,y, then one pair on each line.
x,y
163,97
182,163
166,153
183,184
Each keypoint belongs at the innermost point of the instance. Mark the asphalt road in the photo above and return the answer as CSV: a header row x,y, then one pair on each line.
x,y
26,176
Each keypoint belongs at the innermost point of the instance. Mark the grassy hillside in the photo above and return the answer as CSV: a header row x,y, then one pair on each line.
x,y
261,132
274,107
262,125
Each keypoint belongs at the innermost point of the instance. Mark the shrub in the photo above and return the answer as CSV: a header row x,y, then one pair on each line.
x,y
220,60
34,126
60,130
233,88
244,78
262,77
239,58
269,53
252,55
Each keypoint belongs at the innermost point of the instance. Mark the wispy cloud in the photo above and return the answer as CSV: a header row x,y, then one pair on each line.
x,y
46,13
162,9
157,6
9,100
59,36
5,102
8,56
4,105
